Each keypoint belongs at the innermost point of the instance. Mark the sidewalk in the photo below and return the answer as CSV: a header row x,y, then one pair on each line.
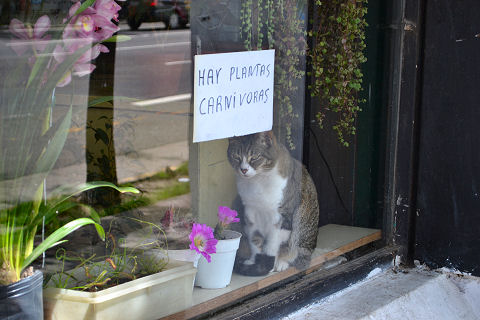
x,y
143,164
129,168
419,294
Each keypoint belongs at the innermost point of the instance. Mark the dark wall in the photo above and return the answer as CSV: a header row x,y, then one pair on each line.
x,y
350,180
448,198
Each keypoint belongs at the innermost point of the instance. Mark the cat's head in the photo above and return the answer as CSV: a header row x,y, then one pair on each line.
x,y
252,154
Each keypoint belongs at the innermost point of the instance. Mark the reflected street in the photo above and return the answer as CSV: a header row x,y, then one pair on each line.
x,y
154,67
152,90
154,63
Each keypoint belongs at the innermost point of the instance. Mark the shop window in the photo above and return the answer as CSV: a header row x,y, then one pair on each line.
x,y
77,108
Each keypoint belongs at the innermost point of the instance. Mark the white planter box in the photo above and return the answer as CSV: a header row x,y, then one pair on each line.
x,y
150,297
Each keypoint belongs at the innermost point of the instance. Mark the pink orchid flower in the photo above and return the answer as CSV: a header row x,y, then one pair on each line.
x,y
92,22
82,66
30,38
107,8
90,26
202,240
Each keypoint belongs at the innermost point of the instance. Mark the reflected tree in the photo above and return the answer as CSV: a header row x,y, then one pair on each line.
x,y
100,147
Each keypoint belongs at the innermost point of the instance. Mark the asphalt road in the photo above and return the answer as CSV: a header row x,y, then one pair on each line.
x,y
152,87
155,68
154,63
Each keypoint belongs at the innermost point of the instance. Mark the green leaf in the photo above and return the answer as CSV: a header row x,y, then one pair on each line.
x,y
36,67
91,185
92,213
41,64
118,38
94,102
84,6
56,237
48,158
50,212
62,204
101,135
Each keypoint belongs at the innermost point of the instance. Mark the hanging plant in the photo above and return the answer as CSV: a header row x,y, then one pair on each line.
x,y
267,24
336,58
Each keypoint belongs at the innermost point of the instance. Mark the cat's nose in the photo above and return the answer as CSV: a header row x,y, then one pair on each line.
x,y
244,170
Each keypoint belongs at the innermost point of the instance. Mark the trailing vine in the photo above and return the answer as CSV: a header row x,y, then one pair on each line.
x,y
268,24
336,59
290,45
246,20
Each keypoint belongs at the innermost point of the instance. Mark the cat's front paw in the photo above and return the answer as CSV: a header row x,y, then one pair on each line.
x,y
249,261
262,266
281,265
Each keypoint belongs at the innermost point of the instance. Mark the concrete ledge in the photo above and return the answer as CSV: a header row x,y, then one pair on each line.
x,y
418,294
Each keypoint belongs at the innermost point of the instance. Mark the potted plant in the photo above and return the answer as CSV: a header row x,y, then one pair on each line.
x,y
218,249
131,282
18,227
31,141
211,251
280,25
336,57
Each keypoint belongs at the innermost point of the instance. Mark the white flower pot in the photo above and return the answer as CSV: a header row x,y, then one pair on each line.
x,y
218,273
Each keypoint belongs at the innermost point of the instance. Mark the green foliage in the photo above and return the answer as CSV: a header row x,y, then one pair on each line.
x,y
146,199
30,147
18,226
247,25
59,234
118,38
125,262
172,191
268,24
169,173
290,46
170,188
336,58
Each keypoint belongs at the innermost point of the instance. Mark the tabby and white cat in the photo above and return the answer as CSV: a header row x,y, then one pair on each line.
x,y
277,205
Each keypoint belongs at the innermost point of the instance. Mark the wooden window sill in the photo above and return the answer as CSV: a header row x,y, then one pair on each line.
x,y
333,241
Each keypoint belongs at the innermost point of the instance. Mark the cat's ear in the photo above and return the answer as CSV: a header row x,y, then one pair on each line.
x,y
233,139
266,138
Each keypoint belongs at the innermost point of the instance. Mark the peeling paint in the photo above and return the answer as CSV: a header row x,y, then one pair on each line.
x,y
409,26
399,200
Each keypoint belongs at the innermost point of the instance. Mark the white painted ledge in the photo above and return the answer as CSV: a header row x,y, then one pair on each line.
x,y
418,294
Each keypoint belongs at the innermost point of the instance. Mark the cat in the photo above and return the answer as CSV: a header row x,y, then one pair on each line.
x,y
277,205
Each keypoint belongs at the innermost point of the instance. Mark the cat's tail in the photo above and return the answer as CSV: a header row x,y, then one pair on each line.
x,y
303,259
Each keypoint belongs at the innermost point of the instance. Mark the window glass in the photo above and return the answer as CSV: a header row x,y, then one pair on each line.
x,y
97,117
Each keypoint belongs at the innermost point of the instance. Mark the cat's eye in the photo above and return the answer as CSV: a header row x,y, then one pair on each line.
x,y
254,157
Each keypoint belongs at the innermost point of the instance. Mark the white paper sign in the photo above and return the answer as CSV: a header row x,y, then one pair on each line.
x,y
233,94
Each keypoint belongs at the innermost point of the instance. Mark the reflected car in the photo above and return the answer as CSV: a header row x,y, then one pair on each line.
x,y
174,13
